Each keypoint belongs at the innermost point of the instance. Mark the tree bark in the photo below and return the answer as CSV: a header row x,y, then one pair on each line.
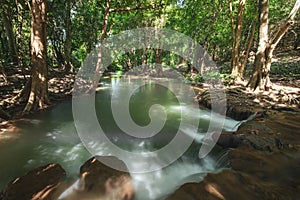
x,y
158,51
237,40
263,59
233,33
38,96
284,28
68,41
248,48
103,36
260,74
158,61
144,60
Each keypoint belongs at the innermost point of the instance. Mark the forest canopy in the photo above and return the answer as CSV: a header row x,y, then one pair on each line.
x,y
38,36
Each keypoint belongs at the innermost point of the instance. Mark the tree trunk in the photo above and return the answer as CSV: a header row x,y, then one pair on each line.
x,y
260,74
237,40
248,48
158,52
284,28
144,60
158,61
103,36
263,60
68,41
38,96
8,26
108,11
233,33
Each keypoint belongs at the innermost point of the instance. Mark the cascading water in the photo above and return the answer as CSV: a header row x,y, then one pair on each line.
x,y
50,137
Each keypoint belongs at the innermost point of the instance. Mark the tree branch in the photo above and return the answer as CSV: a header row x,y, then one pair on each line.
x,y
285,26
127,9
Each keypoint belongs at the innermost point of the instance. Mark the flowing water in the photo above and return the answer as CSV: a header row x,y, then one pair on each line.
x,y
51,137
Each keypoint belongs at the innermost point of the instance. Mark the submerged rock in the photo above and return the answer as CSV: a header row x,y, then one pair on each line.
x,y
99,181
41,183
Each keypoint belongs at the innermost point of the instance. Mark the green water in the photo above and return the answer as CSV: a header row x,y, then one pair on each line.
x,y
50,137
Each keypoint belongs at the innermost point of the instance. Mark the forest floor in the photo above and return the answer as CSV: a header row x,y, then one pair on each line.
x,y
284,94
60,88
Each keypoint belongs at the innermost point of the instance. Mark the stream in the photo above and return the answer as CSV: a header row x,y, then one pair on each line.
x,y
51,137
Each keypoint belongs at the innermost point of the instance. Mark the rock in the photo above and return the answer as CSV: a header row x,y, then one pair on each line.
x,y
100,181
231,184
234,97
224,185
272,131
39,184
227,140
265,164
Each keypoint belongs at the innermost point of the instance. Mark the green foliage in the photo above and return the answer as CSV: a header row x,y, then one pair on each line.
x,y
206,21
210,77
227,79
286,69
194,78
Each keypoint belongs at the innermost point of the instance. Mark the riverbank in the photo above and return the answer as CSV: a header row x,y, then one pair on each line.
x,y
265,151
60,88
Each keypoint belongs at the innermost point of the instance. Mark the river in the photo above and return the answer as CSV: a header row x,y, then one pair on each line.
x,y
51,137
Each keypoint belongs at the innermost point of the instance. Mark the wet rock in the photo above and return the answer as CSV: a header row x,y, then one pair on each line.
x,y
39,184
224,185
227,140
273,167
265,162
232,184
272,131
231,99
239,112
99,181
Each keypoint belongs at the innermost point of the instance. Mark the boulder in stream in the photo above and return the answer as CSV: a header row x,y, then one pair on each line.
x,y
41,183
99,181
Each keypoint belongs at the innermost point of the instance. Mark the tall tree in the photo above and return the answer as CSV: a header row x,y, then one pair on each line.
x,y
248,48
38,95
68,40
107,13
158,51
10,35
235,64
263,59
